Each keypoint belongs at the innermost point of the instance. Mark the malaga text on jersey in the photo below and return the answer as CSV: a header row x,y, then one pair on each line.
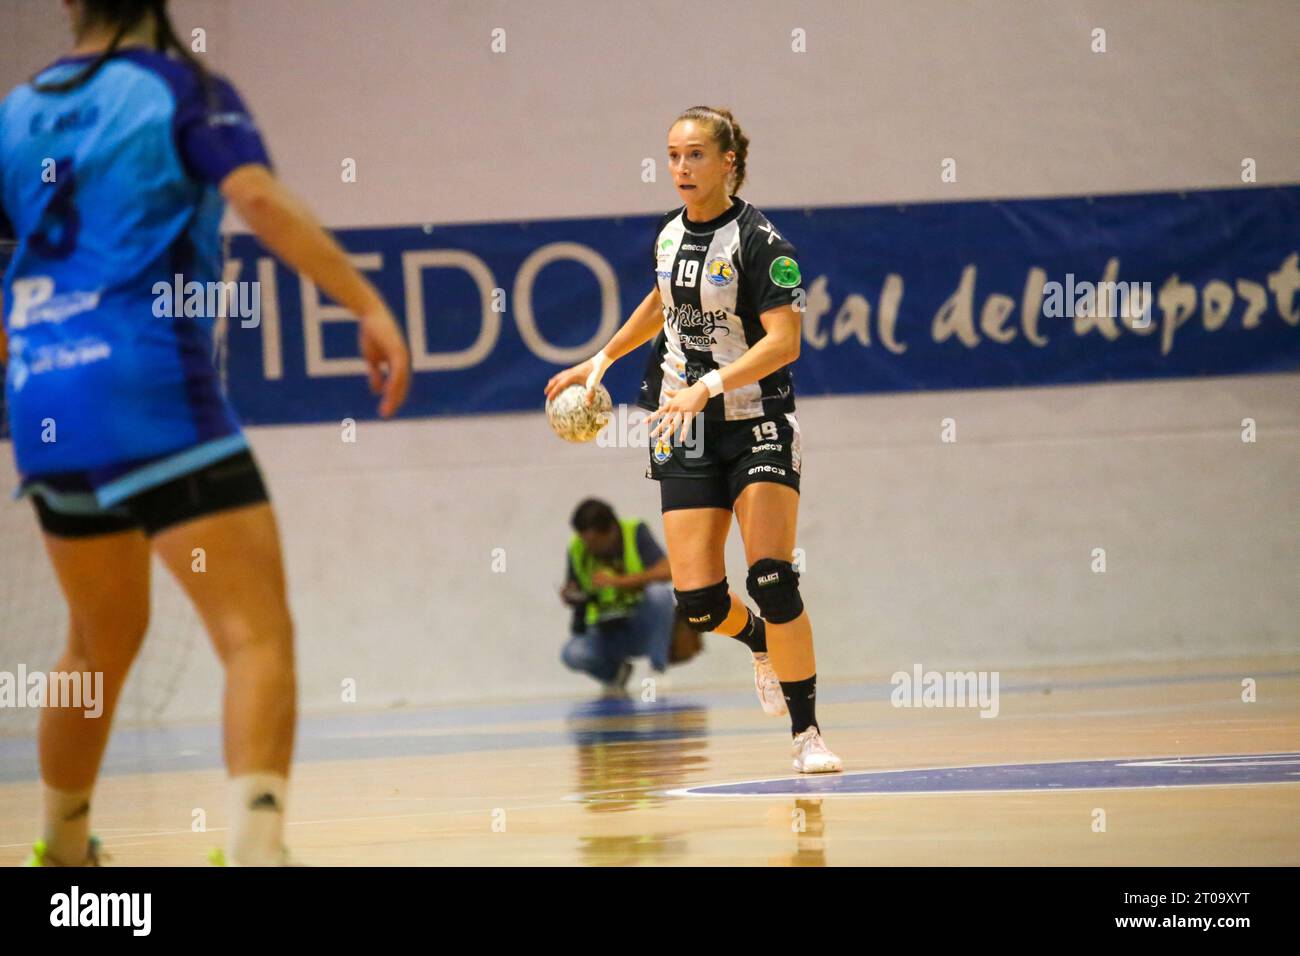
x,y
715,279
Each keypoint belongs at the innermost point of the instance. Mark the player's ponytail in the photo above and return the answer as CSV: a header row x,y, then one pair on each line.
x,y
126,15
165,38
726,133
739,143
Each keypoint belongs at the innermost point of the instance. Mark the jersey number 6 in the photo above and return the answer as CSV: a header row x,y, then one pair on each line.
x,y
56,235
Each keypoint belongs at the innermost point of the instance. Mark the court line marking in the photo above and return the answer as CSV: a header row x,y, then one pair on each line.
x,y
684,791
1120,761
1241,760
135,754
790,795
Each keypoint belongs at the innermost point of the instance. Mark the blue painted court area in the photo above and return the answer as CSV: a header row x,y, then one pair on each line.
x,y
1134,773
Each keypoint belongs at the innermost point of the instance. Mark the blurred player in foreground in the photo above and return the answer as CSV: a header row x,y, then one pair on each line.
x,y
124,440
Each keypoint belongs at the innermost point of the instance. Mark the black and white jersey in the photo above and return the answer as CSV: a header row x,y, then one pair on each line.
x,y
716,278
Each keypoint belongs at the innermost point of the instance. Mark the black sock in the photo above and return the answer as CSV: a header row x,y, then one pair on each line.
x,y
754,634
801,699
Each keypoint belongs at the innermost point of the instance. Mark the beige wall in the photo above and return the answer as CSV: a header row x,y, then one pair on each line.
x,y
444,130
969,555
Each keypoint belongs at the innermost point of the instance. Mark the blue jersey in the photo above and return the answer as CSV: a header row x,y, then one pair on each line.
x,y
110,189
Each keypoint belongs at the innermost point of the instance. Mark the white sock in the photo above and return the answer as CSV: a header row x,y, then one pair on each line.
x,y
67,825
257,819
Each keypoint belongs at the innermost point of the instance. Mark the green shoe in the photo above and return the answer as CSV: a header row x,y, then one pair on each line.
x,y
41,855
37,857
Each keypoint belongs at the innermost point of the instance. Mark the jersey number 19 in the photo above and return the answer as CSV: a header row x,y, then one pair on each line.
x,y
688,270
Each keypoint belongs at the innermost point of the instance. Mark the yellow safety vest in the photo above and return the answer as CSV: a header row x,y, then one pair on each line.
x,y
607,602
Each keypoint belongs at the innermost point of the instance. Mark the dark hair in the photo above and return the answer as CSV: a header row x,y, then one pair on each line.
x,y
126,15
593,515
726,133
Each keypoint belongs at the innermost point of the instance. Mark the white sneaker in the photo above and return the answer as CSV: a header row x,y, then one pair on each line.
x,y
768,687
217,857
811,754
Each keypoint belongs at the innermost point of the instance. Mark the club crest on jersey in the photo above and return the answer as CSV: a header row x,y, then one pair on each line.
x,y
784,271
663,451
719,271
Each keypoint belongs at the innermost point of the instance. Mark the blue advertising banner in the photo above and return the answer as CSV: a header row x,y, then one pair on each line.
x,y
929,296
898,297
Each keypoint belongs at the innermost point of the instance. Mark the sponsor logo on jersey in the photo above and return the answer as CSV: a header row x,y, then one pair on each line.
x,y
692,247
784,271
231,118
766,446
689,318
767,469
58,357
664,273
696,328
663,451
35,301
720,272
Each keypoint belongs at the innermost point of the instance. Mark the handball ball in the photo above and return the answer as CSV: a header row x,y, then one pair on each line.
x,y
573,419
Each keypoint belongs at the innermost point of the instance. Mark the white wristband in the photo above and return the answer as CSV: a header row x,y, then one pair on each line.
x,y
713,382
599,362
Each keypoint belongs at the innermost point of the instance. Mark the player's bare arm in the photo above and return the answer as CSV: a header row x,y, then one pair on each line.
x,y
642,325
289,230
659,571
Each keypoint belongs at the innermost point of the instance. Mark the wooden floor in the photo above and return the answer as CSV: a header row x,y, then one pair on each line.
x,y
585,783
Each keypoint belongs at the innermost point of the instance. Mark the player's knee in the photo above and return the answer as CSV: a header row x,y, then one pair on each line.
x,y
774,586
262,641
576,655
704,609
107,646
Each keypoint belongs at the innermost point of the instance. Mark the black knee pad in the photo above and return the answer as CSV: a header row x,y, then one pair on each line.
x,y
774,586
704,609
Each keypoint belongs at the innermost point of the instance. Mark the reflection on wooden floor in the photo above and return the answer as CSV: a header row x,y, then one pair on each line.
x,y
590,783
